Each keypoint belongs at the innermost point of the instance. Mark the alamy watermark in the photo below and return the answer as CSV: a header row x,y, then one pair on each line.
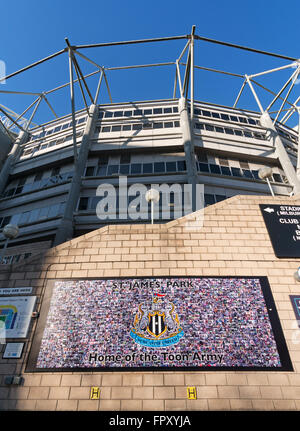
x,y
128,202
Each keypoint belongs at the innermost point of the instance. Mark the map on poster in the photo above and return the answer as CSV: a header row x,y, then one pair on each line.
x,y
15,313
179,322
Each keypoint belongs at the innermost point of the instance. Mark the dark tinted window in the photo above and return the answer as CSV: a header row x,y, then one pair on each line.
x,y
229,131
215,169
181,166
248,134
225,170
101,170
209,199
203,167
136,168
225,117
233,118
125,158
277,178
147,125
89,172
220,198
118,114
247,173
108,114
105,129
206,113
251,121
124,169
159,167
176,124
167,110
137,126
219,129
147,111
209,128
238,132
127,113
112,169
168,124
147,168
126,127
157,125
157,111
199,126
171,166
215,115
243,120
255,174
175,109
236,172
138,112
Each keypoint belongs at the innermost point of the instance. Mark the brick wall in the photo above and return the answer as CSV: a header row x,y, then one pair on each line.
x,y
233,241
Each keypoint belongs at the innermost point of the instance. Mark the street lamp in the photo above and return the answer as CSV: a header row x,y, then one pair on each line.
x,y
10,231
266,174
152,196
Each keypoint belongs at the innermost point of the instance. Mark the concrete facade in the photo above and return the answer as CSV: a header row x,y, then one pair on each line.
x,y
233,241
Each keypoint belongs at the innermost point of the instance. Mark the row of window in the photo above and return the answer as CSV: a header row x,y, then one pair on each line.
x,y
225,117
58,128
37,184
8,260
38,214
43,145
287,135
136,168
235,172
137,126
137,112
90,203
229,131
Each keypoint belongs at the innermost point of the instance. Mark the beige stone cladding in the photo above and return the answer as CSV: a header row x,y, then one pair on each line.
x,y
233,242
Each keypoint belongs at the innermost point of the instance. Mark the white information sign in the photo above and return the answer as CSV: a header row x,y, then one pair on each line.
x,y
16,291
15,312
13,350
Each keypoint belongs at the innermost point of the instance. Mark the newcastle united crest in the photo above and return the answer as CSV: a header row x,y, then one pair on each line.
x,y
157,324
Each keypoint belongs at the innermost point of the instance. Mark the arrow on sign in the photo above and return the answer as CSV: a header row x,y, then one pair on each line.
x,y
269,210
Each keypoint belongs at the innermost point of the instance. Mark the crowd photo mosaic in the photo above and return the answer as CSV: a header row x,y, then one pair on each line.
x,y
149,323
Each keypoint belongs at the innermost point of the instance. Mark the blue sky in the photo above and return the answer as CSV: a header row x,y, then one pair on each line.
x,y
33,29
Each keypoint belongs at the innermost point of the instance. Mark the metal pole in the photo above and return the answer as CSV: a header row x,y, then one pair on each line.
x,y
12,120
33,113
81,89
179,79
192,74
269,184
175,85
82,77
283,88
271,70
281,153
254,94
152,211
130,42
240,93
65,229
27,109
287,95
47,101
72,101
188,144
110,98
98,88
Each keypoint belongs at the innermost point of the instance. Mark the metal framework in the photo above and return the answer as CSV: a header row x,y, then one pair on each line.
x,y
183,85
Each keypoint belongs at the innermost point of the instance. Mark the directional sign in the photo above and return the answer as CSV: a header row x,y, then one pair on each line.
x,y
283,224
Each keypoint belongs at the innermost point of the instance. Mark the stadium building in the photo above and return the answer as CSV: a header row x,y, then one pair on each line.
x,y
49,187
